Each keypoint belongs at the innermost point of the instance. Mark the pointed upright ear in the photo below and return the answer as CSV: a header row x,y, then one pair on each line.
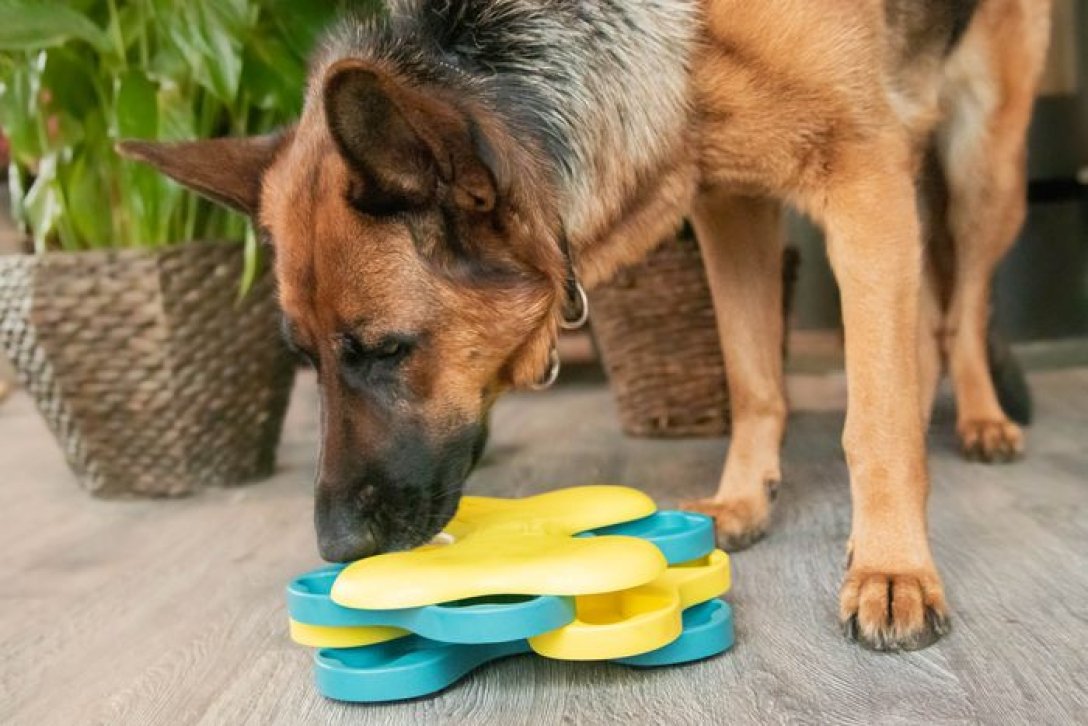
x,y
403,143
227,170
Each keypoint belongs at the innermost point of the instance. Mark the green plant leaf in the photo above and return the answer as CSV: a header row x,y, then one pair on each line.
x,y
17,190
301,22
176,119
71,82
168,64
86,197
180,30
137,106
233,16
64,131
273,76
42,204
219,35
19,114
251,260
36,24
142,195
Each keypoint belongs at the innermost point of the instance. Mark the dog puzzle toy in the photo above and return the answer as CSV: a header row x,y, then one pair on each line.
x,y
319,622
593,627
588,573
415,666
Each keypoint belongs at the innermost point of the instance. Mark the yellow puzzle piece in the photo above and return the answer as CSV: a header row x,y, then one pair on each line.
x,y
513,547
342,636
644,618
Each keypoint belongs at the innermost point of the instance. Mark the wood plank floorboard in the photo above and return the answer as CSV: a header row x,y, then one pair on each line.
x,y
172,612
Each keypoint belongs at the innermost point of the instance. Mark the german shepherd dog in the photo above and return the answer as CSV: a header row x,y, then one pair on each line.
x,y
459,163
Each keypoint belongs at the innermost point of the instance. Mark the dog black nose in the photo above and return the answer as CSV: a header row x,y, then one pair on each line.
x,y
347,546
345,527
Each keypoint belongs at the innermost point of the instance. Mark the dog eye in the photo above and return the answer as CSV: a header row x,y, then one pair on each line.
x,y
389,349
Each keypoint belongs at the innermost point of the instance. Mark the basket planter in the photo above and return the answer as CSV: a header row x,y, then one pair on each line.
x,y
657,335
154,375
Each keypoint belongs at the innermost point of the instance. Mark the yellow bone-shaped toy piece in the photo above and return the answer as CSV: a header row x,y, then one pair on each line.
x,y
513,547
638,620
342,636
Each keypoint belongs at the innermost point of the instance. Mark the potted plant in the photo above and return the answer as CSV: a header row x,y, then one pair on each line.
x,y
142,319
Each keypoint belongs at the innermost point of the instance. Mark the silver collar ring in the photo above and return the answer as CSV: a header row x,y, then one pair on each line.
x,y
553,372
576,311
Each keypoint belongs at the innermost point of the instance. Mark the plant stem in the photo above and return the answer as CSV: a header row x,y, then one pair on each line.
x,y
145,55
115,31
36,62
192,205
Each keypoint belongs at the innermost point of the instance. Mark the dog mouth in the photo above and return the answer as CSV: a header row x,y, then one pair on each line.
x,y
400,500
418,517
397,530
403,521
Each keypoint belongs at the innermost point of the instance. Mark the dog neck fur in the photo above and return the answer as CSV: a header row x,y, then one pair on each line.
x,y
601,89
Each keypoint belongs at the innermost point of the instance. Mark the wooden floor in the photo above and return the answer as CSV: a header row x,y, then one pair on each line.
x,y
173,612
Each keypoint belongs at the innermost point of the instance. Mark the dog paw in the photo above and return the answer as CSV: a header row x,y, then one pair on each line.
x,y
990,440
892,611
739,523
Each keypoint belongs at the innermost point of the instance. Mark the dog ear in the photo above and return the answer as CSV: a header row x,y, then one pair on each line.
x,y
226,170
402,143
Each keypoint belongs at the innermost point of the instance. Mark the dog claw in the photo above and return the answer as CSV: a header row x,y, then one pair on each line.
x,y
935,627
850,628
772,486
939,623
739,523
990,441
741,541
893,612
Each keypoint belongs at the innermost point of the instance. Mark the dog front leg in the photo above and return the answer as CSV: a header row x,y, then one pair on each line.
x,y
741,244
892,597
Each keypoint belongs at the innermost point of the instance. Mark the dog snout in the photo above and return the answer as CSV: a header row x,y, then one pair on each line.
x,y
395,498
344,518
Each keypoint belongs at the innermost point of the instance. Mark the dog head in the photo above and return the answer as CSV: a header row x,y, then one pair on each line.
x,y
418,270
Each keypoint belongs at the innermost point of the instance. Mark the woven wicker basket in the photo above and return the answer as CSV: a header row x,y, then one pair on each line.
x,y
658,339
155,377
